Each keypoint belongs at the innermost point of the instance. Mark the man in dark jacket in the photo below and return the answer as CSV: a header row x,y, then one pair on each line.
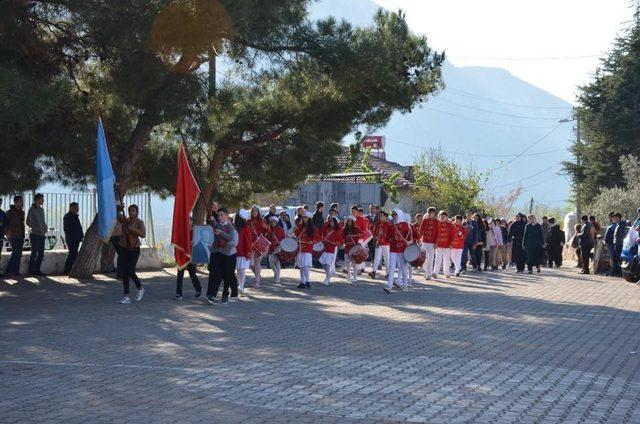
x,y
2,220
555,242
14,227
318,218
516,233
586,241
73,235
469,244
619,233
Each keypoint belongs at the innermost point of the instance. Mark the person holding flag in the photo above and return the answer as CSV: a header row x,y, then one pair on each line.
x,y
186,195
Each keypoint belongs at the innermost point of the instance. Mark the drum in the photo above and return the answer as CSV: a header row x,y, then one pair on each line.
x,y
318,248
358,254
414,255
288,250
261,245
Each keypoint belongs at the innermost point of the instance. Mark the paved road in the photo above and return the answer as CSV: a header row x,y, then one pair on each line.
x,y
496,348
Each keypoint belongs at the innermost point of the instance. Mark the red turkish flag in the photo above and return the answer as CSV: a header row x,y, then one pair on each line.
x,y
187,192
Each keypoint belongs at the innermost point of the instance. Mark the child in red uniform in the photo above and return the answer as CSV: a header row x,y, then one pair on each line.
x,y
275,235
400,239
258,228
382,230
415,231
331,238
307,237
457,245
352,237
428,233
363,224
245,247
444,238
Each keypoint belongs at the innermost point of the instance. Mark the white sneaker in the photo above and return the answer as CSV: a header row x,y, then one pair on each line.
x,y
125,300
140,294
405,289
326,283
241,291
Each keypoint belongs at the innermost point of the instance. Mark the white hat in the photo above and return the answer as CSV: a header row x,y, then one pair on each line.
x,y
274,218
401,217
351,218
308,214
244,214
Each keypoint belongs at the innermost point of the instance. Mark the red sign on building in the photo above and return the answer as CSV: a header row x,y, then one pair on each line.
x,y
373,141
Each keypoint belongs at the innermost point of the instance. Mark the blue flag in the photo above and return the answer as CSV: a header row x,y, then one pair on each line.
x,y
106,190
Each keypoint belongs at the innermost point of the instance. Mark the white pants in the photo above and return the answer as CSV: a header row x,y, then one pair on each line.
x,y
362,266
443,256
430,249
257,268
351,266
381,252
274,263
456,258
397,260
304,275
242,276
330,270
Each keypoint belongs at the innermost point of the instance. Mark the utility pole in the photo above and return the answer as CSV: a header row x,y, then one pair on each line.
x,y
531,206
578,164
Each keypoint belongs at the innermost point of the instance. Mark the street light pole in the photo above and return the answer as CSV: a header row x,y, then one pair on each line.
x,y
578,164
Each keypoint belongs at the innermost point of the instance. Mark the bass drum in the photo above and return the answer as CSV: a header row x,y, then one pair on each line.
x,y
358,254
318,249
288,250
414,255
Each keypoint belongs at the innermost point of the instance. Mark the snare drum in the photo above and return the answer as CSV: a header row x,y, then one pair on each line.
x,y
288,250
414,255
358,254
261,245
318,249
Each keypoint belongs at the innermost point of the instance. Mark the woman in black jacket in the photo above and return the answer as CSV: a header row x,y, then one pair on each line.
x,y
481,240
533,244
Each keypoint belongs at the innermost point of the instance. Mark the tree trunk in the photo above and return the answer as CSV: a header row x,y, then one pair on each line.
x,y
209,190
86,261
91,244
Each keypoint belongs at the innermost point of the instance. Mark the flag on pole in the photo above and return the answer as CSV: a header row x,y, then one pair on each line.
x,y
187,192
105,187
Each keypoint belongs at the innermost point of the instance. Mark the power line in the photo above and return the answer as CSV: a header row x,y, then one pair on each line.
x,y
467,93
477,154
526,178
499,113
528,147
588,56
500,124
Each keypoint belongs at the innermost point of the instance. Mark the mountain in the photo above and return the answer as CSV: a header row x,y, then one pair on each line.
x,y
485,116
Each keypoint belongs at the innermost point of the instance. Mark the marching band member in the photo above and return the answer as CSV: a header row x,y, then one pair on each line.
x,y
382,231
258,228
444,238
428,232
400,239
415,232
331,238
457,245
363,224
275,234
307,237
352,237
245,247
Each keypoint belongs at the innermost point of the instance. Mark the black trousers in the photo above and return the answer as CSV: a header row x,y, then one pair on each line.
x,y
73,246
477,255
191,269
17,244
517,254
555,256
585,253
222,268
129,262
37,253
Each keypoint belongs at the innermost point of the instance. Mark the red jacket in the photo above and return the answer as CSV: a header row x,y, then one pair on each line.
x,y
275,235
245,242
363,224
258,227
459,236
331,239
428,230
445,232
383,231
401,237
306,242
415,229
351,240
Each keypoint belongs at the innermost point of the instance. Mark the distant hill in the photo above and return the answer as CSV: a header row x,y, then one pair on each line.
x,y
482,113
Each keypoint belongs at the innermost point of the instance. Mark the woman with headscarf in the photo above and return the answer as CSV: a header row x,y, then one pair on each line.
x,y
401,237
533,243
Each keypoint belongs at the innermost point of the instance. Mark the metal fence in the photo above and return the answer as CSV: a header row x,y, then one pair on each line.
x,y
56,205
